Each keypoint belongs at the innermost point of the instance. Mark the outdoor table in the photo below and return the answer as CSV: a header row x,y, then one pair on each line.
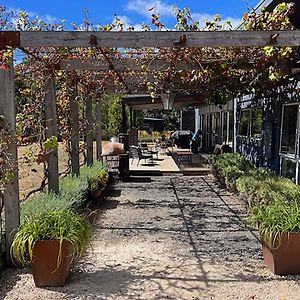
x,y
184,156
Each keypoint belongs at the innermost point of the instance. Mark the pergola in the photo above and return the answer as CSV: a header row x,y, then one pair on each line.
x,y
171,40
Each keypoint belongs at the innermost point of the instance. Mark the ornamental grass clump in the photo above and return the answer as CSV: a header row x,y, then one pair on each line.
x,y
267,189
276,218
61,225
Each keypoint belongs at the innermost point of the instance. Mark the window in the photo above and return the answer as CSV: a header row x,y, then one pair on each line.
x,y
225,127
230,126
244,123
216,123
250,122
201,122
288,168
288,131
256,122
290,155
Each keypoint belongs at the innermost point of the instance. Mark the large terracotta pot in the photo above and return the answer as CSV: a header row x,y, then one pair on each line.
x,y
44,266
285,258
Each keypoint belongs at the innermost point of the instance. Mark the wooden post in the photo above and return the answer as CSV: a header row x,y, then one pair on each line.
x,y
124,118
131,118
235,124
98,130
134,118
11,193
51,131
89,135
74,123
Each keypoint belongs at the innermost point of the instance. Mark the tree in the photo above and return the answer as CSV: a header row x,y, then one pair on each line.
x,y
115,116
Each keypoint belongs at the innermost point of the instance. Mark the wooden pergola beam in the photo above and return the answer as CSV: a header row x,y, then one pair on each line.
x,y
155,39
140,102
134,65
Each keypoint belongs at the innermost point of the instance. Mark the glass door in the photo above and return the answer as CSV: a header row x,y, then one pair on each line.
x,y
289,142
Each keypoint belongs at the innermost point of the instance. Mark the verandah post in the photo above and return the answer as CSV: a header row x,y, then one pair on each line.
x,y
98,130
8,124
124,117
51,131
89,134
74,124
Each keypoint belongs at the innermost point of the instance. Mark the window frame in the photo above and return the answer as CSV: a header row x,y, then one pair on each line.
x,y
292,157
249,123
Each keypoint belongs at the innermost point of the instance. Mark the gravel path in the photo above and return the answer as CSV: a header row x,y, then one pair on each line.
x,y
166,238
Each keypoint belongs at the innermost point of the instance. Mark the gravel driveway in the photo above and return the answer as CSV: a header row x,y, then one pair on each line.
x,y
166,238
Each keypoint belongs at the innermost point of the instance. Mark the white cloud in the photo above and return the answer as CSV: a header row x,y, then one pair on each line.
x,y
49,19
142,7
129,23
203,17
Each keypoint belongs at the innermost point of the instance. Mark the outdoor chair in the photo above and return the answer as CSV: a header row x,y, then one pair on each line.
x,y
138,154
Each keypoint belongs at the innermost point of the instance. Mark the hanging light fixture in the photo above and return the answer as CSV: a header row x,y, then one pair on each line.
x,y
168,100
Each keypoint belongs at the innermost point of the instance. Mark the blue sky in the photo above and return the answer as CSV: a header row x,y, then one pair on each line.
x,y
133,12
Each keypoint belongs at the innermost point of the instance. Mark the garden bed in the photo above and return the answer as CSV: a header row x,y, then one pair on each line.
x,y
273,202
75,192
256,185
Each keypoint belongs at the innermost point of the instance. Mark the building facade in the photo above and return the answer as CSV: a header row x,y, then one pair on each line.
x,y
266,129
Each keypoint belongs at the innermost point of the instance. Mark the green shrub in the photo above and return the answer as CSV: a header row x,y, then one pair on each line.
x,y
73,192
229,167
273,201
62,225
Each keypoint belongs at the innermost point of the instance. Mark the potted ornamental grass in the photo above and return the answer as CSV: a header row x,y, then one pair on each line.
x,y
97,183
279,227
50,242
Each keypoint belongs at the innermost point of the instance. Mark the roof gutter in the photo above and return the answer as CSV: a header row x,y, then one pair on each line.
x,y
257,8
262,3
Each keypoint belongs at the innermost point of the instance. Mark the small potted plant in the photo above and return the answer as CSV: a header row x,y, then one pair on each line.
x,y
279,227
49,243
98,183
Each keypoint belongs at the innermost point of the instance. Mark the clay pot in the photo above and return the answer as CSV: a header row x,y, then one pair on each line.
x,y
44,266
97,193
284,259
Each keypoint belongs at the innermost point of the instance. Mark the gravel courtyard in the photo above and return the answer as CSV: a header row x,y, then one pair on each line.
x,y
166,238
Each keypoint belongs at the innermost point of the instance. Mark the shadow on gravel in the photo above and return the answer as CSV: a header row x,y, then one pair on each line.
x,y
139,179
211,245
113,193
132,283
145,281
9,278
